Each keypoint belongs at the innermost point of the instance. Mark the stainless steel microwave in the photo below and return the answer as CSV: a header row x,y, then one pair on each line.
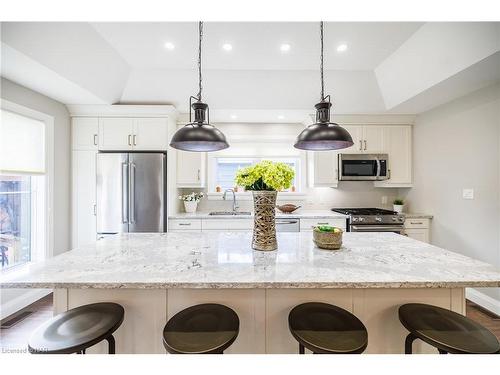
x,y
363,167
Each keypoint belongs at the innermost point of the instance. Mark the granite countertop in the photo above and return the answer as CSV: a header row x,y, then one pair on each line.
x,y
417,215
226,260
299,214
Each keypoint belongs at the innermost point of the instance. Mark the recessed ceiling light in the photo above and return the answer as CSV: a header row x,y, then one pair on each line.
x,y
227,47
342,47
234,117
170,46
285,47
281,117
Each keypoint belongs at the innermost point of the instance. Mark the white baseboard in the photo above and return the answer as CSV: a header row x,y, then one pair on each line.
x,y
25,298
490,304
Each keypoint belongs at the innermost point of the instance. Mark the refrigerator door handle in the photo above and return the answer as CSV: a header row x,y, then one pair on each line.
x,y
131,201
125,183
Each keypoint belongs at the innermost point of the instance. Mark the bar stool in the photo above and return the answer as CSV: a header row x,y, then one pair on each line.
x,y
202,329
445,330
75,330
327,329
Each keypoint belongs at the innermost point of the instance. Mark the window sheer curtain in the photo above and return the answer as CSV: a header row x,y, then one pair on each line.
x,y
22,145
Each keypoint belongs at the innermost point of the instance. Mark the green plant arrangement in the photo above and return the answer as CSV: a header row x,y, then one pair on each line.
x,y
265,180
265,176
398,202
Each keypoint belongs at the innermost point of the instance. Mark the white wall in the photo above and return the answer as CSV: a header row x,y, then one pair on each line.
x,y
61,211
457,146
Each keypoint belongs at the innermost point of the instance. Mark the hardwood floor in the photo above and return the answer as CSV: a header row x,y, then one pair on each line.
x,y
14,339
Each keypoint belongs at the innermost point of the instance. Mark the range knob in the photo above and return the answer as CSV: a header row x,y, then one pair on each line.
x,y
378,219
394,218
361,219
354,219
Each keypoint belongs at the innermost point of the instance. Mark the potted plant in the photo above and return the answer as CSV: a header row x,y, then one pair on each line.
x,y
191,201
264,180
398,205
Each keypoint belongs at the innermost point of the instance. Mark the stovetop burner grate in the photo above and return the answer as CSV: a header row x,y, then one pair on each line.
x,y
364,211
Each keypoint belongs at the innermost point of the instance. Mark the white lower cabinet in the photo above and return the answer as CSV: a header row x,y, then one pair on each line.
x,y
224,224
84,197
178,225
418,229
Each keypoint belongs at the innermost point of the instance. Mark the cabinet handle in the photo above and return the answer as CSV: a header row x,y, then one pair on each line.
x,y
416,222
135,140
365,144
322,223
95,210
388,174
360,145
95,139
198,175
185,224
129,140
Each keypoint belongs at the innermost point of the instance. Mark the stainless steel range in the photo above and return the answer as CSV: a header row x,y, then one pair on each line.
x,y
372,220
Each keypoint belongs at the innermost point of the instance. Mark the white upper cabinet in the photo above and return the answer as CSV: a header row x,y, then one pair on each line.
x,y
84,133
398,145
139,134
191,169
356,132
116,133
325,168
150,134
373,139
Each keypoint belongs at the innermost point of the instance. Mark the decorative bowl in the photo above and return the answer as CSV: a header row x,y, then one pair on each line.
x,y
329,240
287,208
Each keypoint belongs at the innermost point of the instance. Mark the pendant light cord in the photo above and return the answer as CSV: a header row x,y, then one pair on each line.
x,y
321,64
200,87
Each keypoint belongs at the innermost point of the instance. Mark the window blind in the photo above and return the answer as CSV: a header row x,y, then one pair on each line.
x,y
22,144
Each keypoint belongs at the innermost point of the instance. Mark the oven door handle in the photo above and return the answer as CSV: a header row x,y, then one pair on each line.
x,y
377,228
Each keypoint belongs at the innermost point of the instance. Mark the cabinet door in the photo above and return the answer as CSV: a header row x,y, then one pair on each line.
x,y
84,133
418,234
84,197
325,168
356,132
116,134
398,146
151,134
190,169
373,139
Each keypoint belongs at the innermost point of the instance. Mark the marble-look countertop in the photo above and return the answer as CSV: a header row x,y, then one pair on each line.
x,y
226,260
417,216
299,214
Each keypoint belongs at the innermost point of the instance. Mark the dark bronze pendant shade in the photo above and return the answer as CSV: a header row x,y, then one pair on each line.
x,y
323,135
199,135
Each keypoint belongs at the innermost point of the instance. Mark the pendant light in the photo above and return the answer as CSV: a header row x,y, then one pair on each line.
x,y
323,135
199,135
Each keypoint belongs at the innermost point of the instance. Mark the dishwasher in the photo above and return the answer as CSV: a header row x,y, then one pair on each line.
x,y
287,225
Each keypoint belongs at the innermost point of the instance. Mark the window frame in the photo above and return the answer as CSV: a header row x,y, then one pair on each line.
x,y
246,195
42,233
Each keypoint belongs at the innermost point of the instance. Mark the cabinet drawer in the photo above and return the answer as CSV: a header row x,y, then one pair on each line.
x,y
417,223
227,224
184,224
307,224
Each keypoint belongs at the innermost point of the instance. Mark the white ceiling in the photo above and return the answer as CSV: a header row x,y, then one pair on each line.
x,y
387,68
255,44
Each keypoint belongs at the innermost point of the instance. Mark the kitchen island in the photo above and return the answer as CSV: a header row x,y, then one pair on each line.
x,y
156,275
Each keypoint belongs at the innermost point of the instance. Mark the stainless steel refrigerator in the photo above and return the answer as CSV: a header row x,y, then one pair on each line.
x,y
131,192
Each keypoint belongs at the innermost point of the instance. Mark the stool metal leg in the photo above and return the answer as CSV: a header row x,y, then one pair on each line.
x,y
301,349
111,342
409,343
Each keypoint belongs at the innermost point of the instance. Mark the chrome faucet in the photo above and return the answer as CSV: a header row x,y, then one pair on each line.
x,y
234,198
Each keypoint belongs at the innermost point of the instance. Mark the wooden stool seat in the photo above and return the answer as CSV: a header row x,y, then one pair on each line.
x,y
325,328
446,330
202,329
77,329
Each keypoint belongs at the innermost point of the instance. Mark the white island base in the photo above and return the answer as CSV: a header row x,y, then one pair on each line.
x,y
263,314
